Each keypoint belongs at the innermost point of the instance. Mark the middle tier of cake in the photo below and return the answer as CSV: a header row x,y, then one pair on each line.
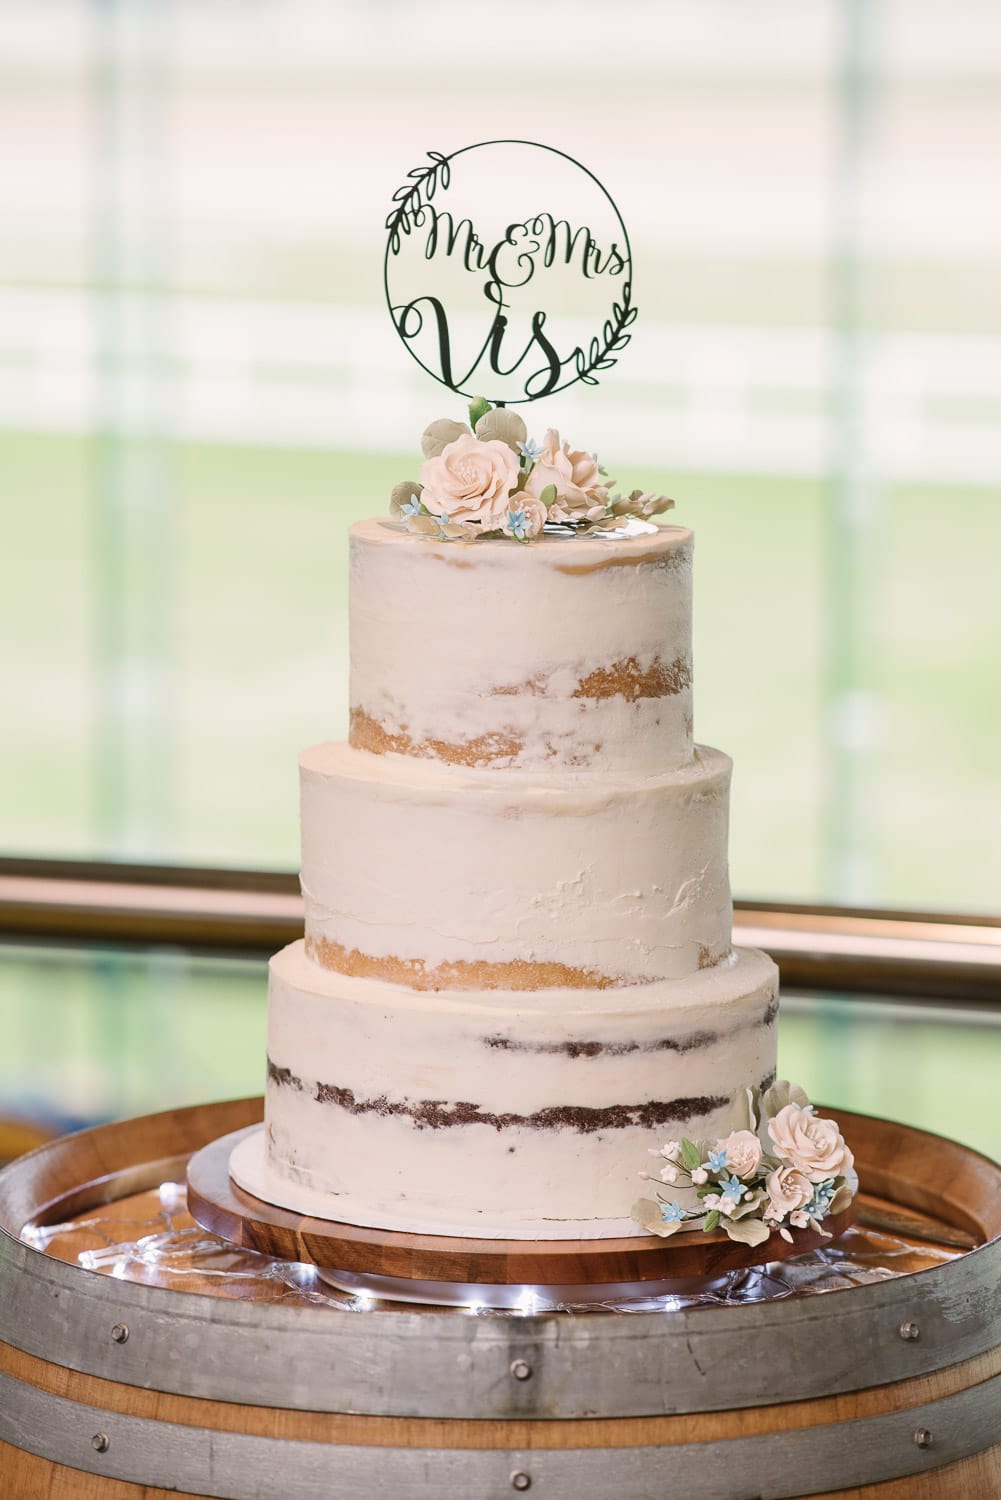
x,y
437,877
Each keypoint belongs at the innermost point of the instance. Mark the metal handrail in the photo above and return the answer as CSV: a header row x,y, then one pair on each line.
x,y
924,955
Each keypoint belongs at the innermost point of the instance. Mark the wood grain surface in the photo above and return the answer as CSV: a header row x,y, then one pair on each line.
x,y
216,1203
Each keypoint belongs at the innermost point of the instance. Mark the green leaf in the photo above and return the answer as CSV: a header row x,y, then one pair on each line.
x,y
690,1154
478,409
548,496
712,1220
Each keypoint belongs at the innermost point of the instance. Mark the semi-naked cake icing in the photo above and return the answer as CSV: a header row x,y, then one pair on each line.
x,y
516,975
542,657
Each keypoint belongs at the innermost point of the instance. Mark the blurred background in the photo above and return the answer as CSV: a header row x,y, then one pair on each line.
x,y
200,388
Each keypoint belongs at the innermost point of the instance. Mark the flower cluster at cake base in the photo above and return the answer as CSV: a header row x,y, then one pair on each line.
x,y
787,1169
490,479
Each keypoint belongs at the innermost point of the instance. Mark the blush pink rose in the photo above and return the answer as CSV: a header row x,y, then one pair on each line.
x,y
788,1190
743,1152
470,480
813,1146
534,514
575,475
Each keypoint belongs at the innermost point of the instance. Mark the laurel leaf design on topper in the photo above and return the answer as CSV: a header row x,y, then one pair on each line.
x,y
422,183
489,298
604,356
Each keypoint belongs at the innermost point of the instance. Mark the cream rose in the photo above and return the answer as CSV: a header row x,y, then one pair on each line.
x,y
814,1147
575,475
788,1189
470,480
743,1152
529,513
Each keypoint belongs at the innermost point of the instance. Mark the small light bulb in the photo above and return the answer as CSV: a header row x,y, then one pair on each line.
x,y
172,1194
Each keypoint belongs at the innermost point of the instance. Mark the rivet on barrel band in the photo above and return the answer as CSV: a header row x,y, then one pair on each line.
x,y
120,1333
909,1332
521,1369
520,1480
923,1438
100,1442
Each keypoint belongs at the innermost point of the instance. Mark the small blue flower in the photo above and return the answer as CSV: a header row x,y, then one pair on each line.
x,y
716,1162
412,507
672,1213
530,450
732,1187
820,1203
518,524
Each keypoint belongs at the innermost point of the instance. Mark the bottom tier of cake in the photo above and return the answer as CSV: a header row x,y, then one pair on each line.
x,y
495,1114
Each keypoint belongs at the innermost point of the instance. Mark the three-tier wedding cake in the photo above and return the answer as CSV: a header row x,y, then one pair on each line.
x,y
517,974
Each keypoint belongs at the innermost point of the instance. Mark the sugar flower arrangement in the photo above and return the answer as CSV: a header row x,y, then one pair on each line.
x,y
789,1169
490,479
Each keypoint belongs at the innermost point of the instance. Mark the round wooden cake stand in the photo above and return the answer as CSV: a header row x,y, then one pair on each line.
x,y
451,1270
212,1373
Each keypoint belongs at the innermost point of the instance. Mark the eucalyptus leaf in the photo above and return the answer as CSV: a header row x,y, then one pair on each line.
x,y
749,1204
747,1231
502,425
646,1213
548,495
843,1195
712,1221
438,436
609,523
477,410
460,531
780,1094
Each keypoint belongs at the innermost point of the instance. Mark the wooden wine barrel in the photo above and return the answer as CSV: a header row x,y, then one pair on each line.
x,y
115,1389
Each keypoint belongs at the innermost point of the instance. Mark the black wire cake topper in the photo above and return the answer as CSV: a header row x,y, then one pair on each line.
x,y
466,276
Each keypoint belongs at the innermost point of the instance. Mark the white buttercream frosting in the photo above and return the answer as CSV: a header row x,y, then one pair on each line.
x,y
516,977
488,1113
616,879
552,655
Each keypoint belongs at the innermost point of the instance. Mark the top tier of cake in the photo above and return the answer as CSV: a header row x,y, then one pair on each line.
x,y
565,654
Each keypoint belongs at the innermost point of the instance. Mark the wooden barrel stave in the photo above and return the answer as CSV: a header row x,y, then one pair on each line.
x,y
32,1478
154,1436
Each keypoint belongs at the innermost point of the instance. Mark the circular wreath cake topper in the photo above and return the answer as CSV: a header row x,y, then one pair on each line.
x,y
493,293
